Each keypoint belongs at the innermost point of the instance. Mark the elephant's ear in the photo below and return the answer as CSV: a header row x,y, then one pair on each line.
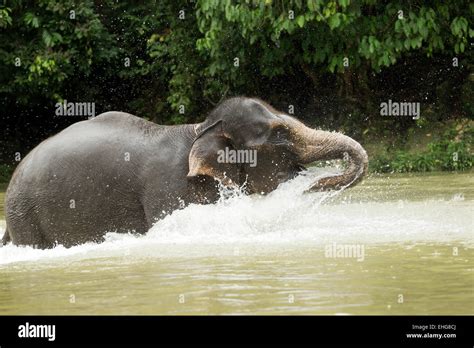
x,y
207,156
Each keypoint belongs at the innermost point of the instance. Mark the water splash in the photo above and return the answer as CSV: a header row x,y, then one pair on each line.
x,y
285,216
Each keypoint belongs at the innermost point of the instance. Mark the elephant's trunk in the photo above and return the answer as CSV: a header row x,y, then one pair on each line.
x,y
319,145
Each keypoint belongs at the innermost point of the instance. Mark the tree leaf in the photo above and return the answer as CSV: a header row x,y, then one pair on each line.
x,y
300,21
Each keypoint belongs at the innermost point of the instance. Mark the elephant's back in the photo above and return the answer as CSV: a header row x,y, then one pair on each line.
x,y
108,133
87,173
79,146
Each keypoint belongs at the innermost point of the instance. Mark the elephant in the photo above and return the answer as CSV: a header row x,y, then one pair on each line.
x,y
118,172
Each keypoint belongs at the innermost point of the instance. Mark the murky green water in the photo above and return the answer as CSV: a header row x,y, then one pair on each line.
x,y
416,232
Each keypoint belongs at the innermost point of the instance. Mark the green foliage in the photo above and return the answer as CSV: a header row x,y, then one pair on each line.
x,y
193,58
6,172
171,61
45,46
174,46
323,33
452,152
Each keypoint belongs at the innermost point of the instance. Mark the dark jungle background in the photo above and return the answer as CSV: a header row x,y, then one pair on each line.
x,y
172,61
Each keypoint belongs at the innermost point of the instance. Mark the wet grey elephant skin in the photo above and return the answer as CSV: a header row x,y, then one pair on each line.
x,y
120,173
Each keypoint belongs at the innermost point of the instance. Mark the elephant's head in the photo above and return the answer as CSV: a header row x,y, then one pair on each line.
x,y
239,128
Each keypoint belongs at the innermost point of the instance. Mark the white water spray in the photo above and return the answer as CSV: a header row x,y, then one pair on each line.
x,y
283,217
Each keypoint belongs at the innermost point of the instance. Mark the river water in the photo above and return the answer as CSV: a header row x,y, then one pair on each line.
x,y
395,244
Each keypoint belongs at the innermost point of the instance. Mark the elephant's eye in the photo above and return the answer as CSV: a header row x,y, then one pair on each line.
x,y
279,136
